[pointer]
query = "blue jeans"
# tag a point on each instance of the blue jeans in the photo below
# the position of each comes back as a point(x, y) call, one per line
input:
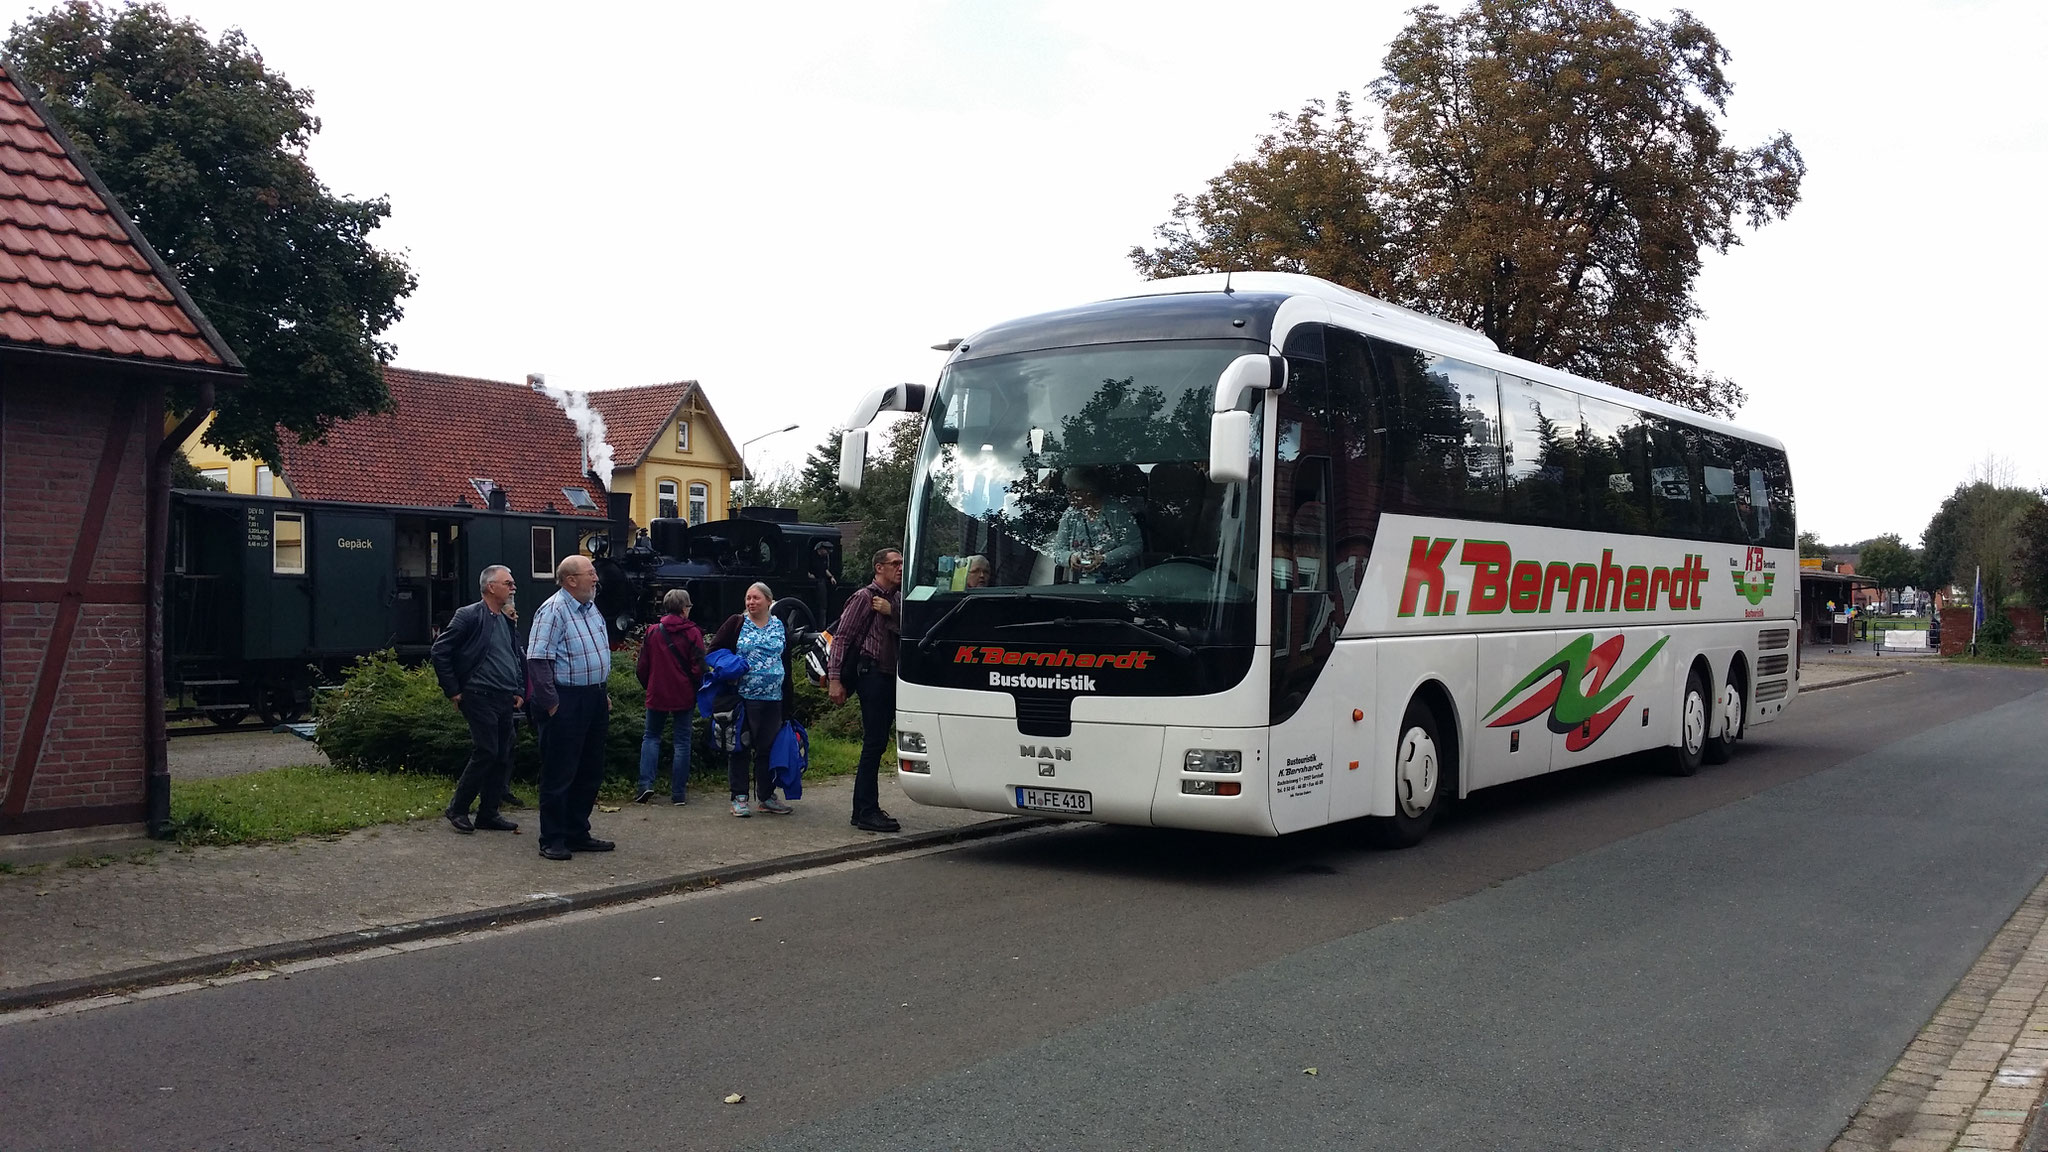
point(650, 752)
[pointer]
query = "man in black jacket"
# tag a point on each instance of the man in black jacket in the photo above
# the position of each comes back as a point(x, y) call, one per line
point(478, 661)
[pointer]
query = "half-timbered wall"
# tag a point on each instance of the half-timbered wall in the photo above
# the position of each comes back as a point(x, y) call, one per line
point(73, 460)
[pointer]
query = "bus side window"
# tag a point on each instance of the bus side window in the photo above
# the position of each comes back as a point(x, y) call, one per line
point(1358, 465)
point(1304, 621)
point(1724, 485)
point(1540, 454)
point(1779, 532)
point(1673, 494)
point(1614, 454)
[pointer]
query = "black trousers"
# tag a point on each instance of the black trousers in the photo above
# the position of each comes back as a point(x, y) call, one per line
point(572, 762)
point(877, 688)
point(764, 721)
point(489, 771)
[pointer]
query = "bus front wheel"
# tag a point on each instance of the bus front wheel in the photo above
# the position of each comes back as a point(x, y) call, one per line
point(1420, 783)
point(1692, 728)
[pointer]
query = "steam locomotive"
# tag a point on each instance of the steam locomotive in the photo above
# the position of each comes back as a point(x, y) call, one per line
point(265, 597)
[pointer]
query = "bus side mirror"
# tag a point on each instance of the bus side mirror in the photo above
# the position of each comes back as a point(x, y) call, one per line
point(1230, 428)
point(1230, 447)
point(853, 458)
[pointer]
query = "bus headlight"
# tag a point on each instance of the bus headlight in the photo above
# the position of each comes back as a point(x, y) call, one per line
point(910, 742)
point(1212, 760)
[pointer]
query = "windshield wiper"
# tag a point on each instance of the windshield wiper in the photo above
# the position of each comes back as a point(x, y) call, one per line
point(1171, 645)
point(931, 635)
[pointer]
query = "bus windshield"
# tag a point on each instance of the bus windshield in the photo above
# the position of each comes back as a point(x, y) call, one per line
point(1071, 485)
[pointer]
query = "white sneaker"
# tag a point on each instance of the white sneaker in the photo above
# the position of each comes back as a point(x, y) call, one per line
point(739, 806)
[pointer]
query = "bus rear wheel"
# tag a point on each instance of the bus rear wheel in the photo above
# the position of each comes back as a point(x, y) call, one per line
point(1734, 706)
point(1692, 728)
point(1420, 783)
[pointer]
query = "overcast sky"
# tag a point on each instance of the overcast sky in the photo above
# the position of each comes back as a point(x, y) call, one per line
point(790, 203)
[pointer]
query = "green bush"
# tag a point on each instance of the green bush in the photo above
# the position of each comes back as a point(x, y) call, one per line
point(386, 717)
point(1997, 630)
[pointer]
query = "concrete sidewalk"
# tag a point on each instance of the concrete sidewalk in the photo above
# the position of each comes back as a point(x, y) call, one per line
point(145, 913)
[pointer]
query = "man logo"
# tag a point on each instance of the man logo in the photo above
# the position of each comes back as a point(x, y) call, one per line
point(1044, 752)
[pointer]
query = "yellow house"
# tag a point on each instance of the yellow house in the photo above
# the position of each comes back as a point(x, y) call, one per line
point(247, 477)
point(669, 451)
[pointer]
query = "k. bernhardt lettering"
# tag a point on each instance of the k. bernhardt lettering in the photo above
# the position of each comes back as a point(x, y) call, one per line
point(1064, 658)
point(1501, 583)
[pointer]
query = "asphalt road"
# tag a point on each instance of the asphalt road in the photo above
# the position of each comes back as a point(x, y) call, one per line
point(1605, 960)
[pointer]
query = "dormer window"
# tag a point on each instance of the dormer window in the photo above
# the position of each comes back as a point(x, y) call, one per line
point(484, 488)
point(682, 435)
point(579, 498)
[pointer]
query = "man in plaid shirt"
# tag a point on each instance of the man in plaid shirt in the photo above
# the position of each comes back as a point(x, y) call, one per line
point(568, 660)
point(864, 657)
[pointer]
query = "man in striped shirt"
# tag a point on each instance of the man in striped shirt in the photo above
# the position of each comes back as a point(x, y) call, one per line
point(568, 660)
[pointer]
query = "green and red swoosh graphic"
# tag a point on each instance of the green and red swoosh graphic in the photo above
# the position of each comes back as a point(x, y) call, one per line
point(1581, 718)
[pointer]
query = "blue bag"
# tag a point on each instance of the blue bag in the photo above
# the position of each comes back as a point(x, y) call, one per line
point(789, 756)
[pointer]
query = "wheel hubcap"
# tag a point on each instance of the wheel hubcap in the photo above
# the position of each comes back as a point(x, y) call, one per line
point(1695, 722)
point(1731, 714)
point(1415, 772)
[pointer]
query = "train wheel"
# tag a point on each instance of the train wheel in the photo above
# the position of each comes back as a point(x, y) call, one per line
point(278, 703)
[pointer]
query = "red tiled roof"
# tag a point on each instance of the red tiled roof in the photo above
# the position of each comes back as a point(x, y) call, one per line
point(634, 416)
point(73, 273)
point(444, 431)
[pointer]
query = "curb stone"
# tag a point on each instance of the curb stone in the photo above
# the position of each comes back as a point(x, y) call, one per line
point(1973, 1078)
point(200, 968)
point(1858, 679)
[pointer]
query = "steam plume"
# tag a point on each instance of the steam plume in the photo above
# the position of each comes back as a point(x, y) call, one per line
point(597, 453)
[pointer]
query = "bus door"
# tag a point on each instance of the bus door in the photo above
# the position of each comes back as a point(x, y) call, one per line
point(1521, 677)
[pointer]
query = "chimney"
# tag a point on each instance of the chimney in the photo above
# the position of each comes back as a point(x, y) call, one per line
point(537, 381)
point(619, 509)
point(501, 500)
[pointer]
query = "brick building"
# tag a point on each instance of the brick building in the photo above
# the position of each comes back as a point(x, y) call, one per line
point(93, 329)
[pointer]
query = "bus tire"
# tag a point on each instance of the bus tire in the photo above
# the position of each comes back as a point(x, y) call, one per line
point(1734, 707)
point(1693, 716)
point(1420, 782)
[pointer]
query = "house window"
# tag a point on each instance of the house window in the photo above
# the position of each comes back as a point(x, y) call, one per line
point(665, 500)
point(217, 475)
point(682, 435)
point(543, 553)
point(288, 543)
point(266, 484)
point(700, 503)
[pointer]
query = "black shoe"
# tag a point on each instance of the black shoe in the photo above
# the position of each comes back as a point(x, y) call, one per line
point(645, 795)
point(592, 844)
point(460, 822)
point(553, 852)
point(496, 824)
point(876, 821)
point(510, 800)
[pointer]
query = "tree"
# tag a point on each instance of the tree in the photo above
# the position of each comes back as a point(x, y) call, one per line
point(818, 490)
point(1810, 546)
point(1553, 171)
point(2030, 556)
point(1888, 561)
point(185, 474)
point(205, 148)
point(1976, 529)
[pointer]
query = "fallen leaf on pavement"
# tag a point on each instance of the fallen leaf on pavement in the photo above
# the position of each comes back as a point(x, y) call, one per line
point(1308, 1071)
point(735, 1098)
point(607, 807)
point(753, 919)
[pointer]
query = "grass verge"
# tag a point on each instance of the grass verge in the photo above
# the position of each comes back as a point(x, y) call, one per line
point(305, 800)
point(313, 800)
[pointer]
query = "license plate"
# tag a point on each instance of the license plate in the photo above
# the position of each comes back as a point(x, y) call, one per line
point(1055, 800)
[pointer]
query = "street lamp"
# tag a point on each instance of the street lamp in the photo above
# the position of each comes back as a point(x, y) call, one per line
point(745, 474)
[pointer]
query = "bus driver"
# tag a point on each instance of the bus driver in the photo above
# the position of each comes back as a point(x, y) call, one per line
point(1098, 542)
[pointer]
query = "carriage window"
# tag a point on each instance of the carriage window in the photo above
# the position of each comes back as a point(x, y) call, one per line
point(288, 543)
point(543, 553)
point(700, 503)
point(665, 500)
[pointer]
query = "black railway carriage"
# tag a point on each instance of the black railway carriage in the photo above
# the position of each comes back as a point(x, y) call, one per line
point(266, 596)
point(263, 594)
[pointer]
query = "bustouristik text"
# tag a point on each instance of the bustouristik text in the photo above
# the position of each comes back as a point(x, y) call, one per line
point(1501, 583)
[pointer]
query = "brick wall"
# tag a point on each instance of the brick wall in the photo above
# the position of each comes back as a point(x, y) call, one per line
point(90, 768)
point(1958, 625)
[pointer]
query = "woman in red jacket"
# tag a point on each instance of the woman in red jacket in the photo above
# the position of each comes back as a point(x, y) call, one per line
point(671, 662)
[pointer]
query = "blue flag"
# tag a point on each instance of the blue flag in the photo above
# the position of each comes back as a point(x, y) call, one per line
point(1977, 600)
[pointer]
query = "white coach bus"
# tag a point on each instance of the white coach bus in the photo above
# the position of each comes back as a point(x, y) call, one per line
point(1256, 553)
